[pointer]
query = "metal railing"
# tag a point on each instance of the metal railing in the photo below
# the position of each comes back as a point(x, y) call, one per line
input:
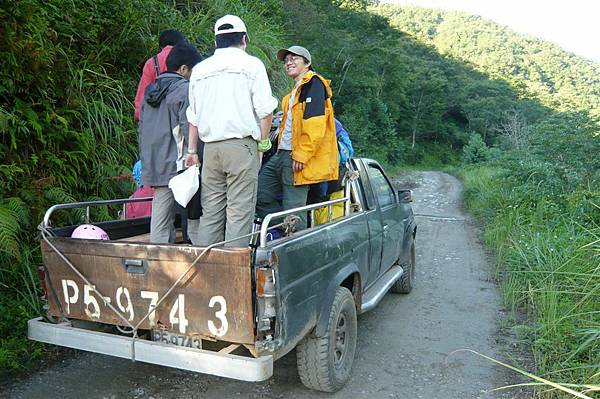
point(349, 190)
point(87, 205)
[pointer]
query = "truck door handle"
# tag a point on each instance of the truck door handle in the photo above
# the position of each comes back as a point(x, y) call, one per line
point(137, 266)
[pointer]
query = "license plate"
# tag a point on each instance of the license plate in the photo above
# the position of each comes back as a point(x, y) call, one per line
point(171, 338)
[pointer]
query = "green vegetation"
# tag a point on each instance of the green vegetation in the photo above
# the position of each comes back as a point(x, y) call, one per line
point(536, 70)
point(542, 215)
point(412, 86)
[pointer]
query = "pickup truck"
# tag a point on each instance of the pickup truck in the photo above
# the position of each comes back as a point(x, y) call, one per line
point(233, 311)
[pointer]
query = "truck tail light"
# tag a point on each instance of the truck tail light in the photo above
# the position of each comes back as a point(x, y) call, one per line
point(266, 301)
point(265, 282)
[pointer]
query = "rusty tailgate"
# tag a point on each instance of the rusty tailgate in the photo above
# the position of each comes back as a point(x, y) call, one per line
point(213, 301)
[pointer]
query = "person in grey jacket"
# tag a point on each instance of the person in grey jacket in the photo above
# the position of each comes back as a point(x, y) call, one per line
point(163, 135)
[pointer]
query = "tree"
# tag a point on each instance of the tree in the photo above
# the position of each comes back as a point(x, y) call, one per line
point(476, 151)
point(513, 128)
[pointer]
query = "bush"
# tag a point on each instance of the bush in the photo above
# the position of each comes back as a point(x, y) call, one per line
point(476, 151)
point(542, 219)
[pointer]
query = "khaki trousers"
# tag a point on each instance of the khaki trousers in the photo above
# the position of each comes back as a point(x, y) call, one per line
point(229, 184)
point(162, 227)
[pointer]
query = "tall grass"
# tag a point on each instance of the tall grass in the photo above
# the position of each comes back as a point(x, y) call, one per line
point(549, 265)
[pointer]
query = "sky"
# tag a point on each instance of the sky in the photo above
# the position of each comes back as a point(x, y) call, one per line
point(574, 25)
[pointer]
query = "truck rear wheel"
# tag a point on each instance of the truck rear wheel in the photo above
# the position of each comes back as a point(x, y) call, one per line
point(404, 285)
point(324, 363)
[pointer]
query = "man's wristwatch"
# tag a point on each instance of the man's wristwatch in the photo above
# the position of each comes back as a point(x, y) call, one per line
point(192, 152)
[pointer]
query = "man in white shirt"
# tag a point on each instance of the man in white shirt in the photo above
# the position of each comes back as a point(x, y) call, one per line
point(231, 109)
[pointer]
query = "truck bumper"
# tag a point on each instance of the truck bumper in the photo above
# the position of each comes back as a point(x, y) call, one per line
point(198, 360)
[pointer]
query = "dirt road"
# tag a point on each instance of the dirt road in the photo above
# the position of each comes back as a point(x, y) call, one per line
point(403, 344)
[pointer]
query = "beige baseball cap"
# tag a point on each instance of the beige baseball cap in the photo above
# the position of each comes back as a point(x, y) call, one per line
point(298, 50)
point(237, 25)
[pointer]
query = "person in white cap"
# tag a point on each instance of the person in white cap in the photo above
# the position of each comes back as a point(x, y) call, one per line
point(231, 109)
point(307, 152)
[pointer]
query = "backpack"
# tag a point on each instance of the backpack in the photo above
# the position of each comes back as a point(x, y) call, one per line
point(345, 150)
point(322, 190)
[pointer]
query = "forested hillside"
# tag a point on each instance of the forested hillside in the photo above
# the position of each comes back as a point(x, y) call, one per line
point(518, 118)
point(422, 88)
point(538, 70)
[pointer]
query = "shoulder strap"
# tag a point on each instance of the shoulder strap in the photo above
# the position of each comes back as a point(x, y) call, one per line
point(156, 66)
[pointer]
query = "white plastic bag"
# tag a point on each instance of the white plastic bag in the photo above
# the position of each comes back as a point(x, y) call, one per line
point(185, 185)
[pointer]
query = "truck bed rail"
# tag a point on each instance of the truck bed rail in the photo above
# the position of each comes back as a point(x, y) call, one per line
point(349, 189)
point(87, 205)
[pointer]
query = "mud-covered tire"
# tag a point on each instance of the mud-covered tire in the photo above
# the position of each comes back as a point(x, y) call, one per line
point(325, 363)
point(404, 284)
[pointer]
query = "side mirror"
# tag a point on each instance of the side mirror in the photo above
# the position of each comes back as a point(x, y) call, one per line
point(405, 196)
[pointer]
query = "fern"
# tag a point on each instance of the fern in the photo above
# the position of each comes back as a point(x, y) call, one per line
point(13, 221)
point(57, 195)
